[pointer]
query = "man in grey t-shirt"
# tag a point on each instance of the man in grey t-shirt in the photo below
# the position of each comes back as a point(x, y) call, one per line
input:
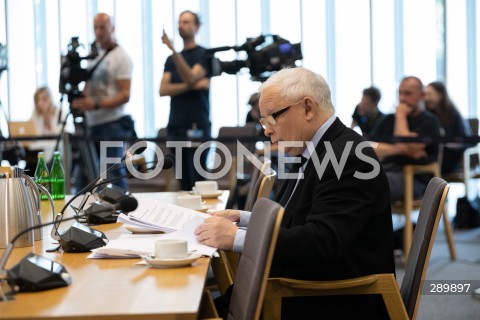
point(107, 92)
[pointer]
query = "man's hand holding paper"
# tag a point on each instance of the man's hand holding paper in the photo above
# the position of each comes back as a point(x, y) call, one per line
point(218, 231)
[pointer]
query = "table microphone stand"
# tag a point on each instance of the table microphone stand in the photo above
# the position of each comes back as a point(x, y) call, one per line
point(37, 273)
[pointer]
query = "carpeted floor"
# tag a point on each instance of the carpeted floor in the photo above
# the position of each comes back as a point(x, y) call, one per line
point(466, 267)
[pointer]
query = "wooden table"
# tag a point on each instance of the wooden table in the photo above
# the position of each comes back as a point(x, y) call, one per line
point(112, 288)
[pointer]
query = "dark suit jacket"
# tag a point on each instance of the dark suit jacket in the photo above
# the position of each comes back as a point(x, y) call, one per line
point(336, 228)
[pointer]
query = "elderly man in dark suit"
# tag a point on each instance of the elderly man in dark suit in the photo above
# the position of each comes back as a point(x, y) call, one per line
point(337, 223)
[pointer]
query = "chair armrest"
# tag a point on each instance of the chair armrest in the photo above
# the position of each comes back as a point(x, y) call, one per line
point(432, 168)
point(324, 285)
point(222, 271)
point(384, 284)
point(467, 157)
point(372, 284)
point(207, 309)
point(471, 150)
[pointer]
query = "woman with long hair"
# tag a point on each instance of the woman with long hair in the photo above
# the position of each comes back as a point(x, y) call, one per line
point(437, 100)
point(45, 114)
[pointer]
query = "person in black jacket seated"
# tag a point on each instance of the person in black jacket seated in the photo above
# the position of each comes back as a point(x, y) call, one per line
point(410, 120)
point(437, 100)
point(366, 114)
point(337, 223)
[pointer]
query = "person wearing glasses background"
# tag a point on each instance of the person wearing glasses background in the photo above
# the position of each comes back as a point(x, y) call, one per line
point(334, 227)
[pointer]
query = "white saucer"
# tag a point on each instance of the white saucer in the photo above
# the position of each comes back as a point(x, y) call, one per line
point(158, 263)
point(208, 195)
point(135, 229)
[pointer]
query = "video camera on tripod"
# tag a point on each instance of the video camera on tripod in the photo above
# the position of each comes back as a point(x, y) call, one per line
point(265, 55)
point(71, 71)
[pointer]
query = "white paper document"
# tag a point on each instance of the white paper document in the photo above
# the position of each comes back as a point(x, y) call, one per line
point(133, 246)
point(157, 215)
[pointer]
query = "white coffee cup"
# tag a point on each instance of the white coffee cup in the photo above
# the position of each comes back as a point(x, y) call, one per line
point(206, 187)
point(171, 249)
point(190, 201)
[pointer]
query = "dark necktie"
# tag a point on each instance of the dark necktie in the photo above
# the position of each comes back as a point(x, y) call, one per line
point(291, 182)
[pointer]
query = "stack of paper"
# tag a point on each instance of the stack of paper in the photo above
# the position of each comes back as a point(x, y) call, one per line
point(179, 222)
point(159, 215)
point(133, 245)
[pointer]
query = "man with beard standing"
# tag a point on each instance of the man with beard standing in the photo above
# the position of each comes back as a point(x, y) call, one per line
point(186, 81)
point(105, 97)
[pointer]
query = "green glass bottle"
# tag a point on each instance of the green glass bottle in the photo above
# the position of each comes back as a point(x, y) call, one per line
point(41, 174)
point(57, 177)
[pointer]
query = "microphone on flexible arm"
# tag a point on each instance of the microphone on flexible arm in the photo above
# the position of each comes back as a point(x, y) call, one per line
point(37, 273)
point(112, 194)
point(93, 183)
point(79, 237)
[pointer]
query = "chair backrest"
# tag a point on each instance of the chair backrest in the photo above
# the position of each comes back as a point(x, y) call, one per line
point(254, 267)
point(474, 156)
point(423, 238)
point(473, 122)
point(163, 134)
point(258, 186)
point(233, 133)
point(170, 183)
point(230, 136)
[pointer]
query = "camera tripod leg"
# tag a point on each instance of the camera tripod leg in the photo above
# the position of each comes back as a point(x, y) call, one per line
point(88, 159)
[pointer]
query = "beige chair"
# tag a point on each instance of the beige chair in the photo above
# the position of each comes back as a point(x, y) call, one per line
point(167, 176)
point(409, 204)
point(254, 267)
point(261, 183)
point(164, 181)
point(226, 265)
point(229, 136)
point(247, 190)
point(401, 303)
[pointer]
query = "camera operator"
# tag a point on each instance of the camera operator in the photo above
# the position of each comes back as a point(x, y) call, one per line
point(186, 81)
point(107, 92)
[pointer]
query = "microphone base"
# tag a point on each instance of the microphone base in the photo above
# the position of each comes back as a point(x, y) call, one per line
point(112, 193)
point(37, 273)
point(100, 217)
point(80, 238)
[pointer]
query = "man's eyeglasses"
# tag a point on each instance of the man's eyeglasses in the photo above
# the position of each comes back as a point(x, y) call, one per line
point(271, 119)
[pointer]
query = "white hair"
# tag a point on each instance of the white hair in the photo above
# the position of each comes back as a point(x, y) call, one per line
point(297, 83)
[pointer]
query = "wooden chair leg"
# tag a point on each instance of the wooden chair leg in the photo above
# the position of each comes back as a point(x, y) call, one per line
point(449, 234)
point(407, 235)
point(408, 207)
point(207, 307)
point(272, 308)
point(222, 272)
point(233, 259)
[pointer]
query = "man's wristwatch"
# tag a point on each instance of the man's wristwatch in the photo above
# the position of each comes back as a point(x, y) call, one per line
point(97, 105)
